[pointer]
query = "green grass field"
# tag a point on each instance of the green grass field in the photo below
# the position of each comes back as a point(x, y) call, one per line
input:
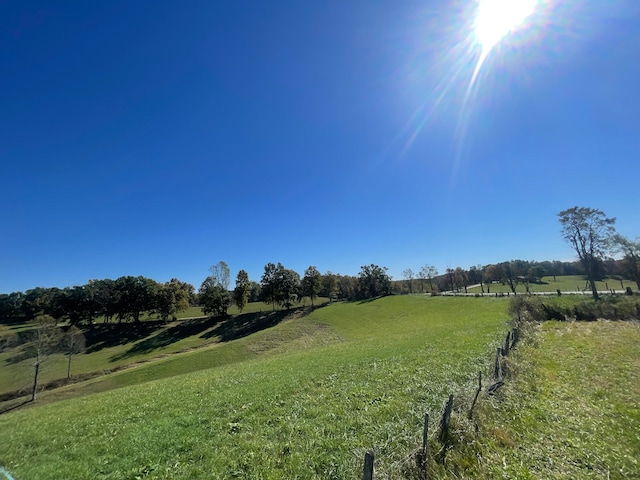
point(567, 283)
point(303, 399)
point(573, 411)
point(116, 346)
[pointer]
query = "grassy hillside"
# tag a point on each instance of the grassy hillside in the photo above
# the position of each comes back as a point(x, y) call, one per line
point(573, 410)
point(304, 399)
point(112, 346)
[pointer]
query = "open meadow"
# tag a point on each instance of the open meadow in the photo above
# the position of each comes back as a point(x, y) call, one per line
point(303, 399)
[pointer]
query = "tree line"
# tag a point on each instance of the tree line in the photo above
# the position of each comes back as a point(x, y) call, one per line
point(511, 272)
point(128, 298)
point(123, 299)
point(283, 287)
point(588, 231)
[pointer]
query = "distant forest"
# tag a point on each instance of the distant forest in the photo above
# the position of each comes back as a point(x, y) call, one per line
point(127, 298)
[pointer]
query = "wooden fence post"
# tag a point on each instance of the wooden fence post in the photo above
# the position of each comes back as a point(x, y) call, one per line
point(446, 419)
point(475, 399)
point(367, 473)
point(444, 428)
point(422, 459)
point(514, 337)
point(497, 369)
point(507, 344)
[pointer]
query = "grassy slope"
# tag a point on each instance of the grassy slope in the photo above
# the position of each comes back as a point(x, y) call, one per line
point(574, 411)
point(307, 412)
point(130, 345)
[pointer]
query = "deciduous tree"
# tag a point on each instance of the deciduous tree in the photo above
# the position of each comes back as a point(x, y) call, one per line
point(311, 283)
point(74, 343)
point(243, 290)
point(10, 305)
point(408, 276)
point(268, 284)
point(348, 287)
point(329, 286)
point(429, 272)
point(287, 286)
point(589, 232)
point(221, 274)
point(46, 337)
point(631, 260)
point(461, 278)
point(373, 281)
point(135, 295)
point(214, 297)
point(172, 297)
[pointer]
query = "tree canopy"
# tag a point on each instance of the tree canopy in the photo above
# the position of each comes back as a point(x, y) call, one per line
point(373, 281)
point(311, 283)
point(590, 233)
point(243, 290)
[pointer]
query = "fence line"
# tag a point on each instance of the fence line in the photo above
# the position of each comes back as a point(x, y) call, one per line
point(421, 455)
point(581, 293)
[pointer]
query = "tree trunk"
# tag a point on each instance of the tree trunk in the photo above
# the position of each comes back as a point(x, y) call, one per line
point(69, 367)
point(35, 380)
point(594, 290)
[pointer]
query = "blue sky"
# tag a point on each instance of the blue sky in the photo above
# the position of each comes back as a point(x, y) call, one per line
point(157, 138)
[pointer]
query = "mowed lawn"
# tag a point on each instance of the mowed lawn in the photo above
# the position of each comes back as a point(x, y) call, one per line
point(304, 399)
point(574, 411)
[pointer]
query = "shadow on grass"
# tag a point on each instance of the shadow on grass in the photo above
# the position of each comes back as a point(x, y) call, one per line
point(15, 406)
point(248, 323)
point(372, 299)
point(108, 335)
point(178, 332)
point(14, 323)
point(224, 328)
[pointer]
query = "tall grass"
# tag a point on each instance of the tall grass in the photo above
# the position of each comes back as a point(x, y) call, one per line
point(572, 411)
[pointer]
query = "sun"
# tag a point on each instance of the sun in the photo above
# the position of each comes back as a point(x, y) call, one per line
point(496, 18)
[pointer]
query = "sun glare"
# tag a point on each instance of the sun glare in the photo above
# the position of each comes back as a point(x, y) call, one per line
point(496, 18)
point(485, 25)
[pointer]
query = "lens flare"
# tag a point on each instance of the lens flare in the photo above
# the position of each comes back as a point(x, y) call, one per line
point(465, 43)
point(496, 18)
